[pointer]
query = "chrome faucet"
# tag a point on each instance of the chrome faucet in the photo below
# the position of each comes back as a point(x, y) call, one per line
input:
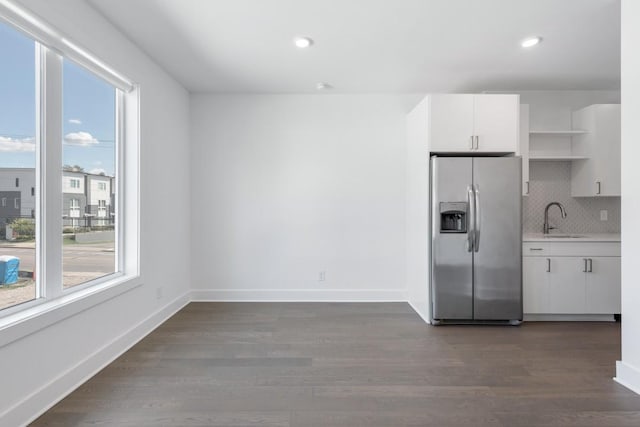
point(546, 215)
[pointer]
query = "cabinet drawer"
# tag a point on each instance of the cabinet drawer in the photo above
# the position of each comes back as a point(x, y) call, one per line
point(585, 249)
point(535, 248)
point(589, 249)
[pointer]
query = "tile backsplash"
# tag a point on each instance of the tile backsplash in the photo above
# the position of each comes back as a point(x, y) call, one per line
point(551, 182)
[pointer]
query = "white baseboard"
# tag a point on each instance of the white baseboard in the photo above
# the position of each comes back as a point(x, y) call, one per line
point(38, 402)
point(424, 316)
point(296, 295)
point(569, 318)
point(628, 376)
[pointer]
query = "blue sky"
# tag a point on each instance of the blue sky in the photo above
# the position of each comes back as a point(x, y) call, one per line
point(88, 110)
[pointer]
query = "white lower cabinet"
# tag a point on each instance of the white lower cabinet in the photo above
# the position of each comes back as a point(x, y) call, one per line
point(566, 286)
point(603, 286)
point(562, 284)
point(535, 284)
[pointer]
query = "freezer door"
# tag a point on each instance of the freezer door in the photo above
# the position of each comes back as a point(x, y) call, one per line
point(451, 256)
point(498, 251)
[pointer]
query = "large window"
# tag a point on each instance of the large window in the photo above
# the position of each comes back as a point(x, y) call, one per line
point(62, 128)
point(89, 127)
point(18, 123)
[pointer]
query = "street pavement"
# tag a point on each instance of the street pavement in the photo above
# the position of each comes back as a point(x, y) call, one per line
point(81, 263)
point(76, 258)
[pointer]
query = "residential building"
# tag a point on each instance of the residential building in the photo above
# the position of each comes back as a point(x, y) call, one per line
point(87, 199)
point(22, 182)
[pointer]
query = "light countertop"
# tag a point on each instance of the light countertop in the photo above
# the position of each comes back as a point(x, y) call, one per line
point(587, 237)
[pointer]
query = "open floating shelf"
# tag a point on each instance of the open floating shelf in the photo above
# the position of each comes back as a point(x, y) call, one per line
point(558, 132)
point(555, 158)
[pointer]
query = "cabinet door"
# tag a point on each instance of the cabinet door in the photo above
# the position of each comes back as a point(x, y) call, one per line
point(567, 286)
point(496, 119)
point(599, 174)
point(535, 285)
point(524, 147)
point(603, 286)
point(607, 149)
point(450, 123)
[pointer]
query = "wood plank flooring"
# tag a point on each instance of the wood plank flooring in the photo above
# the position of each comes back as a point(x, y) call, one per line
point(350, 365)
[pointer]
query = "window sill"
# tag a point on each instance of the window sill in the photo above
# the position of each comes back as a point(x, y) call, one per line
point(30, 320)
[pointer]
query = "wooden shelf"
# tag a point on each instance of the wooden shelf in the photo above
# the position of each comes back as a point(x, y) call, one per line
point(558, 132)
point(555, 158)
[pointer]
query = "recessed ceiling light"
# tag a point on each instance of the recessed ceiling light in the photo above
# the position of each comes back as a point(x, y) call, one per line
point(302, 42)
point(531, 41)
point(323, 86)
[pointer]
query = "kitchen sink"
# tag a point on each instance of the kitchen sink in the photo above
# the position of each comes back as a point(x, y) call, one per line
point(564, 236)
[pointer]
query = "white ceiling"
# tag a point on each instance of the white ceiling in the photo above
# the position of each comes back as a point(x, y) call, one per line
point(376, 45)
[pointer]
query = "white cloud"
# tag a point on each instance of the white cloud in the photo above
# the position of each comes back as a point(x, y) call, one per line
point(75, 121)
point(83, 139)
point(98, 171)
point(17, 145)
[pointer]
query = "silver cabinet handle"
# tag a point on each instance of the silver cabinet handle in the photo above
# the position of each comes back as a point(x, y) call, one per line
point(590, 265)
point(527, 188)
point(535, 249)
point(476, 242)
point(598, 187)
point(584, 269)
point(471, 142)
point(477, 142)
point(471, 221)
point(548, 265)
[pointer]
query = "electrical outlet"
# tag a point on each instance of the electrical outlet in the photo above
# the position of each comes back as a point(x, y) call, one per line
point(159, 293)
point(604, 215)
point(322, 276)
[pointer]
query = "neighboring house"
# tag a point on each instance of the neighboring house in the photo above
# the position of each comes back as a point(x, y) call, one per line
point(22, 181)
point(74, 198)
point(9, 206)
point(99, 200)
point(87, 199)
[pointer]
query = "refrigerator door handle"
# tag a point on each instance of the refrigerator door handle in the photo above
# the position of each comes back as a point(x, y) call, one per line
point(472, 220)
point(476, 218)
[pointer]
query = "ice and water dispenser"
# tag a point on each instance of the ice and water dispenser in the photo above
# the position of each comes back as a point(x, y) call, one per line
point(453, 217)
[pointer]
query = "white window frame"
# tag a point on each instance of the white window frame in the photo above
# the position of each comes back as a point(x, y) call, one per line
point(16, 204)
point(53, 302)
point(4, 202)
point(102, 186)
point(74, 183)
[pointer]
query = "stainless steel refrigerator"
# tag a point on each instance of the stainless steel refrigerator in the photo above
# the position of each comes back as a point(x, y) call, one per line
point(476, 239)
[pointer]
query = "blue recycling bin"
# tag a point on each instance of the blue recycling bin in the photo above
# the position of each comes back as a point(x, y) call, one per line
point(9, 266)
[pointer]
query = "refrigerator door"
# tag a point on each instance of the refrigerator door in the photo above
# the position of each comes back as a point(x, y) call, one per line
point(498, 237)
point(451, 248)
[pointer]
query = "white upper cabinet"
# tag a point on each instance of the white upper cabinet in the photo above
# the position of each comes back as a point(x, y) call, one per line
point(451, 123)
point(496, 122)
point(599, 174)
point(474, 123)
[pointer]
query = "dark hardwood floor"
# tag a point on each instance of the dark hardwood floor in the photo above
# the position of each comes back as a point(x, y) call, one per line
point(362, 364)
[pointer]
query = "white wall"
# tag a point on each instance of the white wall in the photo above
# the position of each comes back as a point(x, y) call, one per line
point(288, 186)
point(628, 369)
point(38, 368)
point(417, 211)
